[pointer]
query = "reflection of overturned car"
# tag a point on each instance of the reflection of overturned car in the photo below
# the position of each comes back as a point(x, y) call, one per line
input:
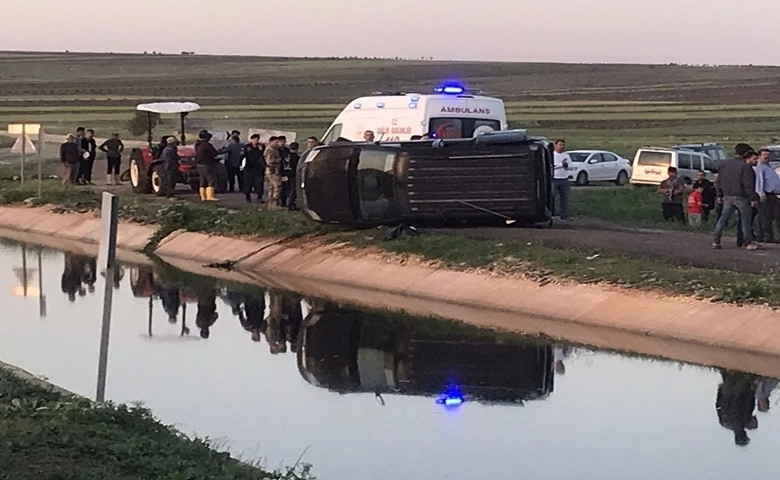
point(496, 176)
point(352, 351)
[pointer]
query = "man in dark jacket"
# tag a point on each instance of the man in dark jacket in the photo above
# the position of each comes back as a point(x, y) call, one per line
point(206, 159)
point(736, 189)
point(113, 148)
point(89, 149)
point(253, 169)
point(69, 157)
point(289, 167)
point(233, 162)
point(170, 158)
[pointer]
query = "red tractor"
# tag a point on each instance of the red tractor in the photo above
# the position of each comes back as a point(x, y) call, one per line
point(146, 166)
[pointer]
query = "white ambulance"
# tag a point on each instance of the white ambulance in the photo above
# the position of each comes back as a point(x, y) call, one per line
point(451, 111)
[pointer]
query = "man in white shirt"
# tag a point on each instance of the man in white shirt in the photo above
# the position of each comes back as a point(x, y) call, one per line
point(561, 185)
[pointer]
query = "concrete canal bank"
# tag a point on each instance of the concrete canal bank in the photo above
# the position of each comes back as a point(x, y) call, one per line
point(679, 328)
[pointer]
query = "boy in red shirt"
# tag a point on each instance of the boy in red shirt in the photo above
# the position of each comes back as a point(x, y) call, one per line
point(695, 205)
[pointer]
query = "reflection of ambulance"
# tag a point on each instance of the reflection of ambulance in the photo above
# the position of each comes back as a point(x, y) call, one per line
point(451, 112)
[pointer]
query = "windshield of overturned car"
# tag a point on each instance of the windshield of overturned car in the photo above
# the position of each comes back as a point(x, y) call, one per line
point(375, 183)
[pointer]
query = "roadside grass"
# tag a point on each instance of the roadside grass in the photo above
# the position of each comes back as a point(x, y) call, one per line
point(48, 435)
point(544, 263)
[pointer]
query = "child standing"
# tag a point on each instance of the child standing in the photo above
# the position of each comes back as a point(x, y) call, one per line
point(696, 204)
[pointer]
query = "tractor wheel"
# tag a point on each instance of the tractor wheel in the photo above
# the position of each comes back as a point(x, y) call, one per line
point(139, 177)
point(157, 181)
point(222, 179)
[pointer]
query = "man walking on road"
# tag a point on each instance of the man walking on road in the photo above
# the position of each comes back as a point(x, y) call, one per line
point(736, 187)
point(69, 157)
point(768, 190)
point(561, 185)
point(113, 148)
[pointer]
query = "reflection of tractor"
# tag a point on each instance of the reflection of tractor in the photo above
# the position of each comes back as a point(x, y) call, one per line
point(146, 166)
point(351, 351)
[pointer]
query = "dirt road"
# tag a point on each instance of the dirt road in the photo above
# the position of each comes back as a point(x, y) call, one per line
point(683, 248)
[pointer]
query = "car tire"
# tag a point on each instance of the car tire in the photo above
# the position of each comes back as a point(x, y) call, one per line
point(582, 179)
point(139, 177)
point(157, 181)
point(622, 178)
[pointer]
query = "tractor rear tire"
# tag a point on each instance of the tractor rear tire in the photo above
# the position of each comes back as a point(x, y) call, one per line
point(139, 177)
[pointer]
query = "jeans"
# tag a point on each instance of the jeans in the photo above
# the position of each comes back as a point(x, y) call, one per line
point(745, 212)
point(562, 187)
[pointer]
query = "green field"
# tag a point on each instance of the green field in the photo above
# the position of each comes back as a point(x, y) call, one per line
point(617, 107)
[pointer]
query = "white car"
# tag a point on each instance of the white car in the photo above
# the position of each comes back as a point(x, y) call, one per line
point(598, 166)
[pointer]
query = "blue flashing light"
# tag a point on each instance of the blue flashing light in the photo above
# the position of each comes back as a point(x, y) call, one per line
point(450, 89)
point(452, 397)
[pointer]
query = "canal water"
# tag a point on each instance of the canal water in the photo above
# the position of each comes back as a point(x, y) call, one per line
point(369, 394)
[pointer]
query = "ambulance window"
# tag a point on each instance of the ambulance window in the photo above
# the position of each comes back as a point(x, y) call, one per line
point(446, 128)
point(333, 134)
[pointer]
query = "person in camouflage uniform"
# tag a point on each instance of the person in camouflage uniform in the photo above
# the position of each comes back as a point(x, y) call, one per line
point(273, 173)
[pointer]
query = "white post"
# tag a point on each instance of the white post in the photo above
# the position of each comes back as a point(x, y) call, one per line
point(107, 262)
point(24, 151)
point(41, 296)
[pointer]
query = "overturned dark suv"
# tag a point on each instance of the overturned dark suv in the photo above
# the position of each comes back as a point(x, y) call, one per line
point(497, 176)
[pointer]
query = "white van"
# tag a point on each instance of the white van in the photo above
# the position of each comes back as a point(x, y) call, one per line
point(651, 164)
point(450, 112)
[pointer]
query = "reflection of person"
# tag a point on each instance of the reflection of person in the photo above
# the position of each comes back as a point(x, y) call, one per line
point(254, 315)
point(89, 274)
point(560, 354)
point(273, 329)
point(171, 301)
point(73, 276)
point(207, 312)
point(734, 404)
point(292, 315)
point(764, 388)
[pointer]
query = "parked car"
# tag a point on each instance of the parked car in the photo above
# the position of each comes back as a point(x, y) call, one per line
point(716, 152)
point(598, 166)
point(651, 164)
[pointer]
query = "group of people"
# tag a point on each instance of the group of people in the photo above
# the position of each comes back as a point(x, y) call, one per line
point(250, 166)
point(746, 185)
point(78, 153)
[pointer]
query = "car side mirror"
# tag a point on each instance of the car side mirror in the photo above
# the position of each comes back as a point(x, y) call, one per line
point(593, 160)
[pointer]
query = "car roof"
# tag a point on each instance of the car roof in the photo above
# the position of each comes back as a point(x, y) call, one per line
point(592, 151)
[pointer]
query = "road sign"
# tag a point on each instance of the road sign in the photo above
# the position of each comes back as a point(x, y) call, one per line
point(28, 146)
point(20, 128)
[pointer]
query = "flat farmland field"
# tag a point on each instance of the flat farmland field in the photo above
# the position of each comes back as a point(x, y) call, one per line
point(618, 107)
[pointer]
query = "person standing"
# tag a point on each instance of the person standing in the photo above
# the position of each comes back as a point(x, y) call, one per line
point(253, 169)
point(113, 148)
point(69, 157)
point(233, 162)
point(695, 205)
point(273, 172)
point(170, 158)
point(289, 167)
point(708, 195)
point(561, 185)
point(672, 190)
point(206, 160)
point(768, 190)
point(89, 153)
point(736, 189)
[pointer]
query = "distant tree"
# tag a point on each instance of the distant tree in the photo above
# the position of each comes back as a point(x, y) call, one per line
point(139, 124)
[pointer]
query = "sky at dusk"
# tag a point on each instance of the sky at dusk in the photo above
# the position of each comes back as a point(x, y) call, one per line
point(630, 31)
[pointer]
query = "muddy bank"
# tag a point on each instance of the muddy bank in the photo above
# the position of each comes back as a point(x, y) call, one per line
point(680, 328)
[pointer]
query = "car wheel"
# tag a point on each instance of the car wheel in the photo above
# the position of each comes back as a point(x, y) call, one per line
point(139, 177)
point(622, 178)
point(157, 181)
point(582, 179)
